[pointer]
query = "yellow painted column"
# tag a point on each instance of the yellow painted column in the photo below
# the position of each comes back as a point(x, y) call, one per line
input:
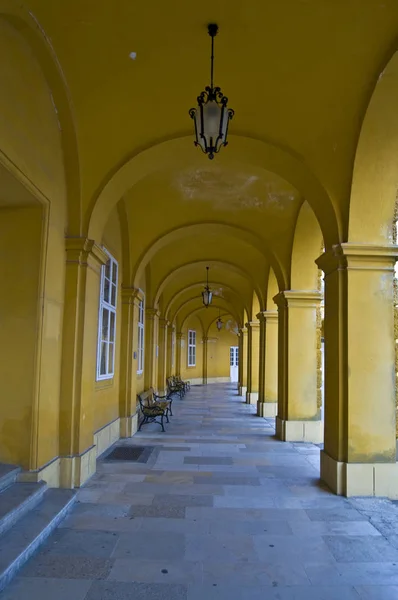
point(268, 371)
point(84, 260)
point(204, 361)
point(180, 345)
point(151, 347)
point(253, 359)
point(298, 417)
point(270, 406)
point(243, 361)
point(240, 364)
point(359, 456)
point(170, 351)
point(131, 298)
point(162, 360)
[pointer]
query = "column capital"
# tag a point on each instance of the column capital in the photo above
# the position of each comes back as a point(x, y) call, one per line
point(163, 323)
point(252, 324)
point(81, 250)
point(152, 313)
point(242, 330)
point(358, 257)
point(267, 316)
point(180, 335)
point(131, 295)
point(298, 298)
point(205, 339)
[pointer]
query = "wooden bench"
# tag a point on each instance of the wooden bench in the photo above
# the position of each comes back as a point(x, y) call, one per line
point(154, 407)
point(175, 387)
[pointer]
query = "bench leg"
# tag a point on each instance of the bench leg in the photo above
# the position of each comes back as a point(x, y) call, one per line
point(161, 422)
point(144, 420)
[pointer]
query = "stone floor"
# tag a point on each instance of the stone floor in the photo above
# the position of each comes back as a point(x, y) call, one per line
point(220, 510)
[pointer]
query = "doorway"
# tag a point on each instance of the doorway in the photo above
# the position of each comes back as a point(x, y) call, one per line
point(234, 363)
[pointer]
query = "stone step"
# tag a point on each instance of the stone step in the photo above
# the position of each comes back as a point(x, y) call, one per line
point(20, 542)
point(17, 500)
point(8, 475)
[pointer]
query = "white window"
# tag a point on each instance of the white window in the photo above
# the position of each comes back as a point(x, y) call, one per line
point(107, 320)
point(141, 334)
point(191, 348)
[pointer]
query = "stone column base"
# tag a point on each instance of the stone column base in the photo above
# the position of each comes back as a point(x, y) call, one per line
point(242, 390)
point(360, 479)
point(267, 409)
point(299, 431)
point(251, 397)
point(128, 426)
point(76, 470)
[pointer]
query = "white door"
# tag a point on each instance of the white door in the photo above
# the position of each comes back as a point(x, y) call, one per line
point(234, 363)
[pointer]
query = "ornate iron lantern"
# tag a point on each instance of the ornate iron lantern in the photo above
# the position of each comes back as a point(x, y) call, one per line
point(219, 322)
point(207, 294)
point(212, 115)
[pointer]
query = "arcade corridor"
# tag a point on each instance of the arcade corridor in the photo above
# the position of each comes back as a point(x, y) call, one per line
point(220, 509)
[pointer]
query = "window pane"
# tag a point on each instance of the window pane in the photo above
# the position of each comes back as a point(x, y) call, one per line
point(113, 299)
point(114, 273)
point(106, 289)
point(108, 269)
point(112, 327)
point(110, 358)
point(103, 359)
point(105, 324)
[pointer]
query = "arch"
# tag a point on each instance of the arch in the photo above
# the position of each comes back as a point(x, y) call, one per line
point(307, 243)
point(199, 284)
point(375, 175)
point(243, 150)
point(209, 310)
point(185, 267)
point(31, 30)
point(206, 228)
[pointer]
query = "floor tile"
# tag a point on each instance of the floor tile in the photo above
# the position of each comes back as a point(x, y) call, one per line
point(112, 590)
point(222, 509)
point(28, 588)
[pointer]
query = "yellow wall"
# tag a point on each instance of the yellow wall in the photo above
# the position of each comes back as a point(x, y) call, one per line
point(19, 318)
point(197, 371)
point(218, 357)
point(29, 129)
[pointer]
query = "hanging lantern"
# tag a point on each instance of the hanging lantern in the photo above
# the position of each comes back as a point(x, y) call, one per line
point(212, 115)
point(207, 294)
point(219, 324)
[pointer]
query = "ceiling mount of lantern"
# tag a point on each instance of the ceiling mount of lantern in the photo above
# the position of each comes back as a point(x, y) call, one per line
point(207, 294)
point(212, 115)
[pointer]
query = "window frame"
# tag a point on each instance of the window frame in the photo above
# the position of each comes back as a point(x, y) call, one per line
point(191, 358)
point(111, 307)
point(141, 338)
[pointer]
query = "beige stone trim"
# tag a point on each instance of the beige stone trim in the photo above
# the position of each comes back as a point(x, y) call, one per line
point(360, 479)
point(267, 409)
point(299, 431)
point(50, 473)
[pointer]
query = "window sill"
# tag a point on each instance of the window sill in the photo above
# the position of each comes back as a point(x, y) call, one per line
point(104, 383)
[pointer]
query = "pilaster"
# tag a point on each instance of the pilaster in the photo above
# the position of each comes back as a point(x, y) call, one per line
point(162, 360)
point(242, 361)
point(253, 359)
point(179, 347)
point(267, 404)
point(204, 361)
point(298, 417)
point(151, 347)
point(84, 260)
point(131, 298)
point(359, 456)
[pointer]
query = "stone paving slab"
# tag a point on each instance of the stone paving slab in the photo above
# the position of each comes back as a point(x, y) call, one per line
point(221, 510)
